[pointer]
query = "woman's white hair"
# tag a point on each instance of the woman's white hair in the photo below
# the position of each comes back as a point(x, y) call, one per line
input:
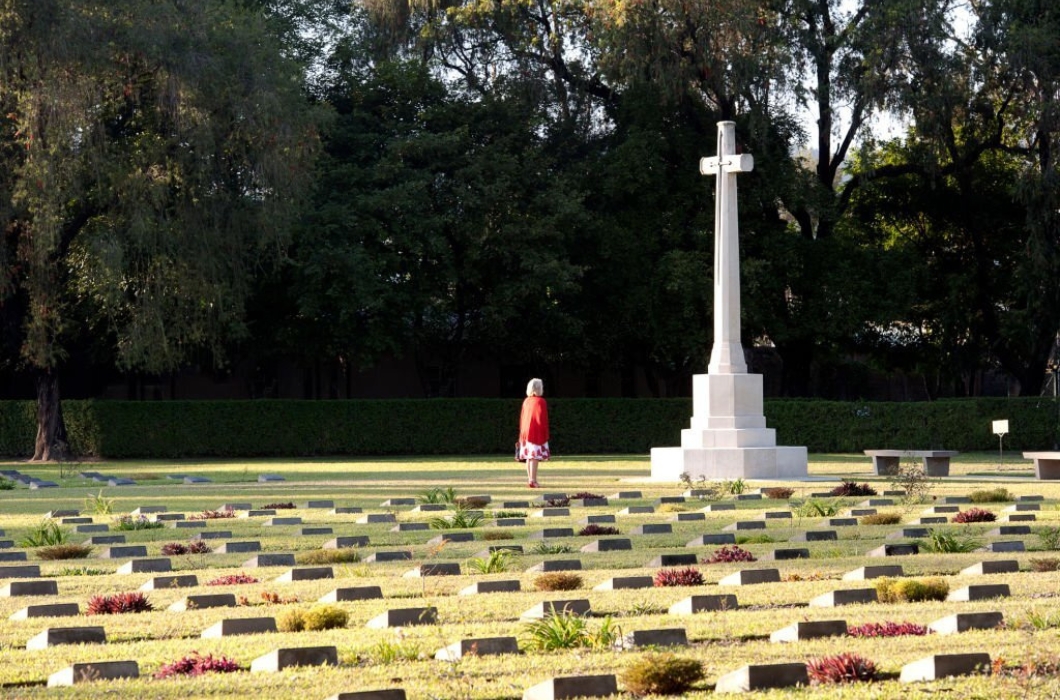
point(535, 387)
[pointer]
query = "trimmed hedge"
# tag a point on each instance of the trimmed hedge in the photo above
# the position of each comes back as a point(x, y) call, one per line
point(177, 429)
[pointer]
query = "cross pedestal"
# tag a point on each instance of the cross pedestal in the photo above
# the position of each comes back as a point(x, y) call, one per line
point(728, 437)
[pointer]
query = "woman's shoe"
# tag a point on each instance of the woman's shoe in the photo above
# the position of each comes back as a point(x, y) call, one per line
point(533, 484)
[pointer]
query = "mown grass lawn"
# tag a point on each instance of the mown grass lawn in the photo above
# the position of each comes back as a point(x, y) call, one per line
point(723, 641)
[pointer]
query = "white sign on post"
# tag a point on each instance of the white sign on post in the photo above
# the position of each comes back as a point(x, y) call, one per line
point(1000, 427)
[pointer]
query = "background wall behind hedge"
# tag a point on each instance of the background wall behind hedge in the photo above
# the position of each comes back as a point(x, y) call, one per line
point(173, 429)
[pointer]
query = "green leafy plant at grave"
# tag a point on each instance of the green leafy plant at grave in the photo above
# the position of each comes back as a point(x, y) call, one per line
point(998, 495)
point(813, 508)
point(566, 630)
point(907, 590)
point(671, 508)
point(345, 555)
point(81, 571)
point(462, 519)
point(943, 542)
point(64, 551)
point(136, 522)
point(1045, 565)
point(755, 539)
point(431, 495)
point(325, 617)
point(495, 563)
point(881, 519)
point(841, 668)
point(646, 607)
point(734, 487)
point(551, 548)
point(6, 484)
point(46, 533)
point(291, 621)
point(1049, 538)
point(509, 514)
point(661, 674)
point(1035, 619)
point(494, 535)
point(558, 581)
point(911, 480)
point(99, 504)
point(387, 652)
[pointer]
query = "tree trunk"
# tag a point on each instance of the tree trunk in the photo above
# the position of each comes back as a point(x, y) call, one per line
point(51, 428)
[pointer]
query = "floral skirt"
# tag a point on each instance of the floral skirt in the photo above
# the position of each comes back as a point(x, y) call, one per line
point(529, 450)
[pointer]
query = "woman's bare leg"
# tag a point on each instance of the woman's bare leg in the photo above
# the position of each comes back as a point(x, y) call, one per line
point(531, 471)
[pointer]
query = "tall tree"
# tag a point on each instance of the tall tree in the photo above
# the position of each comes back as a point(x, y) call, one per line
point(151, 154)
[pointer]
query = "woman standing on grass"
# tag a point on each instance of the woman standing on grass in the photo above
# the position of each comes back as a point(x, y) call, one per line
point(533, 430)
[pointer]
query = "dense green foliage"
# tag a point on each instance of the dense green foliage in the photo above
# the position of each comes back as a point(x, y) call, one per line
point(171, 429)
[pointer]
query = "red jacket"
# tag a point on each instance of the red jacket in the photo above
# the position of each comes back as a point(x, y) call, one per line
point(533, 421)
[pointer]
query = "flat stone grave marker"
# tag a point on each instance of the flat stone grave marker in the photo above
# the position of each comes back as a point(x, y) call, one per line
point(146, 566)
point(7, 544)
point(340, 595)
point(27, 571)
point(551, 532)
point(545, 497)
point(483, 646)
point(959, 500)
point(346, 542)
point(273, 522)
point(749, 577)
point(212, 535)
point(371, 518)
point(873, 502)
point(1021, 508)
point(121, 482)
point(404, 617)
point(815, 536)
point(1021, 518)
point(677, 559)
point(935, 510)
point(279, 659)
point(240, 625)
point(48, 610)
point(688, 517)
point(75, 521)
point(637, 510)
point(931, 520)
point(309, 531)
point(842, 522)
point(590, 502)
point(984, 591)
point(564, 687)
point(388, 694)
point(748, 497)
point(551, 513)
point(378, 557)
point(95, 527)
point(653, 529)
point(324, 504)
point(761, 676)
point(625, 582)
point(907, 532)
point(1000, 566)
point(263, 560)
point(849, 596)
point(509, 522)
point(188, 524)
point(13, 556)
point(547, 608)
point(238, 547)
point(54, 636)
point(894, 550)
point(258, 513)
point(168, 517)
point(718, 507)
point(148, 510)
point(800, 631)
point(106, 539)
point(1004, 546)
point(163, 582)
point(269, 478)
point(866, 573)
point(459, 537)
point(745, 525)
point(787, 554)
point(556, 565)
point(41, 484)
point(1009, 530)
point(346, 510)
point(94, 671)
point(123, 551)
point(235, 506)
point(668, 637)
point(306, 573)
point(514, 504)
point(613, 544)
point(943, 666)
point(434, 569)
point(410, 527)
point(862, 512)
point(626, 495)
point(712, 539)
point(602, 519)
point(511, 548)
point(196, 480)
point(505, 586)
point(203, 601)
point(429, 508)
point(669, 499)
point(776, 515)
point(962, 622)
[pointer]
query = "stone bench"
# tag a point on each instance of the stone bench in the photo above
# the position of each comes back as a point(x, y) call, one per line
point(936, 462)
point(1046, 464)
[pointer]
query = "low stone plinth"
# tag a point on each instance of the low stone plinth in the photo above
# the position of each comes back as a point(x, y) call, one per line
point(398, 502)
point(800, 631)
point(931, 520)
point(745, 525)
point(625, 496)
point(894, 550)
point(776, 515)
point(235, 506)
point(149, 510)
point(842, 522)
point(551, 532)
point(507, 505)
point(556, 565)
point(761, 676)
point(240, 625)
point(269, 478)
point(434, 569)
point(280, 659)
point(13, 556)
point(306, 573)
point(105, 539)
point(505, 586)
point(546, 608)
point(483, 646)
point(862, 512)
point(718, 507)
point(960, 500)
point(1021, 518)
point(404, 617)
point(909, 532)
point(815, 536)
point(167, 517)
point(704, 603)
point(748, 497)
point(461, 537)
point(123, 552)
point(510, 522)
point(874, 502)
point(213, 535)
point(200, 602)
point(373, 518)
point(346, 542)
point(379, 557)
point(551, 513)
point(637, 510)
point(27, 571)
point(263, 560)
point(614, 544)
point(669, 499)
point(625, 582)
point(26, 588)
point(602, 519)
point(159, 583)
point(1009, 531)
point(749, 577)
point(346, 510)
point(714, 539)
point(677, 559)
point(146, 566)
point(62, 513)
point(962, 622)
point(388, 694)
point(49, 610)
point(274, 522)
point(188, 524)
point(324, 504)
point(590, 502)
point(787, 554)
point(410, 527)
point(688, 517)
point(943, 666)
point(849, 596)
point(95, 527)
point(653, 529)
point(668, 637)
point(984, 591)
point(1001, 566)
point(308, 531)
point(55, 636)
point(94, 671)
point(935, 510)
point(866, 573)
point(340, 595)
point(429, 508)
point(563, 687)
point(1004, 546)
point(1022, 508)
point(75, 521)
